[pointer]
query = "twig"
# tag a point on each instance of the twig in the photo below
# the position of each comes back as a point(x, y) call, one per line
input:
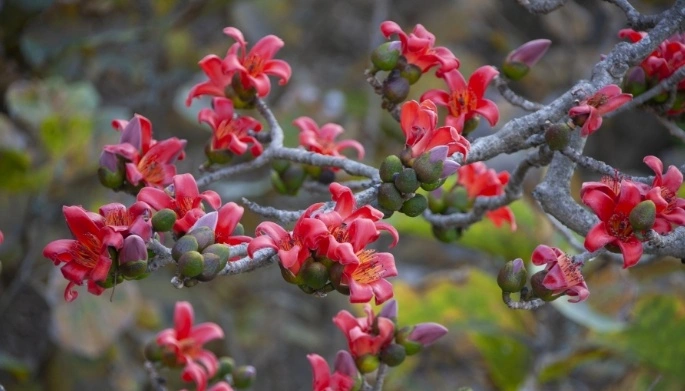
point(667, 84)
point(635, 19)
point(599, 166)
point(675, 130)
point(502, 85)
point(156, 380)
point(566, 233)
point(541, 6)
point(262, 258)
point(284, 216)
point(380, 377)
point(521, 305)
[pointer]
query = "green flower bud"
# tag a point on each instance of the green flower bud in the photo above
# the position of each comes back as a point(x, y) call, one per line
point(226, 366)
point(183, 245)
point(389, 197)
point(306, 289)
point(402, 338)
point(411, 73)
point(191, 264)
point(393, 355)
point(427, 171)
point(385, 56)
point(512, 276)
point(277, 183)
point(164, 220)
point(204, 236)
point(458, 199)
point(643, 215)
point(470, 125)
point(406, 157)
point(515, 70)
point(289, 277)
point(111, 179)
point(152, 351)
point(446, 235)
point(391, 166)
point(367, 363)
point(218, 156)
point(314, 274)
point(244, 376)
point(414, 206)
point(557, 136)
point(406, 181)
point(432, 186)
point(221, 250)
point(190, 282)
point(293, 178)
point(210, 267)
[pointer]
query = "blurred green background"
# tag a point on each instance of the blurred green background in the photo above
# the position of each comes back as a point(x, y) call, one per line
point(68, 67)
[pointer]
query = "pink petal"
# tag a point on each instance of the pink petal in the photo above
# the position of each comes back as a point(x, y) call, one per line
point(600, 203)
point(598, 237)
point(321, 372)
point(280, 69)
point(480, 79)
point(488, 110)
point(183, 319)
point(439, 97)
point(632, 251)
point(156, 198)
point(382, 290)
point(360, 293)
point(267, 47)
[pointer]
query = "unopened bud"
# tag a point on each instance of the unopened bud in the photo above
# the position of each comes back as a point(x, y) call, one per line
point(293, 178)
point(393, 355)
point(335, 273)
point(280, 165)
point(395, 88)
point(183, 245)
point(220, 250)
point(191, 264)
point(643, 216)
point(133, 257)
point(344, 363)
point(204, 236)
point(411, 73)
point(429, 165)
point(217, 156)
point(385, 56)
point(152, 351)
point(557, 136)
point(391, 166)
point(519, 61)
point(389, 197)
point(402, 338)
point(226, 366)
point(432, 186)
point(210, 267)
point(414, 206)
point(446, 234)
point(164, 220)
point(244, 376)
point(406, 181)
point(427, 333)
point(314, 274)
point(367, 363)
point(389, 310)
point(635, 81)
point(512, 276)
point(470, 125)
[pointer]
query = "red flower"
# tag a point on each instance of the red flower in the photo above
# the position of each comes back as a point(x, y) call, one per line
point(293, 247)
point(479, 180)
point(342, 378)
point(666, 59)
point(186, 340)
point(229, 216)
point(254, 66)
point(219, 75)
point(134, 220)
point(147, 160)
point(563, 275)
point(322, 140)
point(365, 269)
point(231, 132)
point(418, 49)
point(366, 335)
point(614, 227)
point(669, 206)
point(589, 112)
point(465, 101)
point(187, 202)
point(86, 258)
point(2, 237)
point(418, 123)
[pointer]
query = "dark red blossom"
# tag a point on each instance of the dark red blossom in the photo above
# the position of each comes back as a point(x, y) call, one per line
point(479, 180)
point(147, 160)
point(589, 112)
point(186, 341)
point(563, 275)
point(418, 122)
point(418, 48)
point(86, 257)
point(664, 192)
point(230, 131)
point(254, 66)
point(465, 101)
point(187, 201)
point(322, 140)
point(134, 220)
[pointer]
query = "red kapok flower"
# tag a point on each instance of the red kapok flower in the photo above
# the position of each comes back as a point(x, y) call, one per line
point(230, 132)
point(614, 227)
point(664, 192)
point(365, 270)
point(342, 378)
point(589, 112)
point(563, 275)
point(134, 220)
point(322, 140)
point(418, 123)
point(479, 180)
point(147, 160)
point(219, 76)
point(186, 340)
point(254, 66)
point(86, 258)
point(465, 101)
point(365, 335)
point(187, 202)
point(2, 237)
point(418, 48)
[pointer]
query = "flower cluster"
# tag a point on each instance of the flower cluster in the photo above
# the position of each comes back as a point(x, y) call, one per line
point(242, 75)
point(183, 346)
point(371, 340)
point(628, 211)
point(139, 160)
point(667, 58)
point(327, 249)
